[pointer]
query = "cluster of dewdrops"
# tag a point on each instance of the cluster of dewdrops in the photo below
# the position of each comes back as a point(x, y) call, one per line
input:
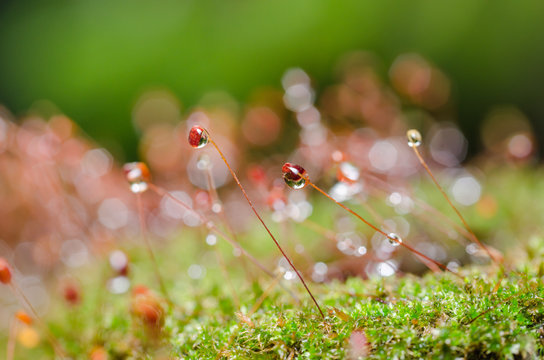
point(296, 177)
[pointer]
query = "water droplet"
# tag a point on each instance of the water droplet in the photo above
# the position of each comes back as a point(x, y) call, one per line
point(320, 268)
point(216, 208)
point(347, 172)
point(137, 174)
point(391, 238)
point(119, 262)
point(295, 176)
point(338, 156)
point(211, 239)
point(320, 271)
point(289, 275)
point(453, 266)
point(361, 250)
point(471, 249)
point(196, 271)
point(198, 137)
point(203, 162)
point(385, 269)
point(414, 138)
point(138, 188)
point(118, 285)
point(395, 198)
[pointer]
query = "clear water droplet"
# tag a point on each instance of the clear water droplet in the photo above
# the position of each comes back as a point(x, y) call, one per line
point(385, 269)
point(138, 188)
point(414, 138)
point(361, 250)
point(203, 162)
point(119, 262)
point(211, 239)
point(453, 266)
point(320, 268)
point(392, 236)
point(196, 271)
point(295, 176)
point(198, 137)
point(347, 172)
point(289, 275)
point(118, 285)
point(217, 207)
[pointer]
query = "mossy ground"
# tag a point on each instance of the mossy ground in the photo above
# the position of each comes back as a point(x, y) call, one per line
point(438, 316)
point(488, 313)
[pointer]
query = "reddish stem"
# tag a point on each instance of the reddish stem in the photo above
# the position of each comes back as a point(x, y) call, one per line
point(472, 235)
point(266, 227)
point(161, 192)
point(442, 266)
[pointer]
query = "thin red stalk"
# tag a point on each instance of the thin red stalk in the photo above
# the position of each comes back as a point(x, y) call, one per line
point(54, 343)
point(385, 187)
point(212, 227)
point(472, 235)
point(266, 227)
point(143, 230)
point(442, 266)
point(215, 200)
point(328, 234)
point(161, 192)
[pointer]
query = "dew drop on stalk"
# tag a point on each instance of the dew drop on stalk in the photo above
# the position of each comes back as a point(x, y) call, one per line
point(414, 138)
point(137, 174)
point(392, 236)
point(294, 176)
point(198, 137)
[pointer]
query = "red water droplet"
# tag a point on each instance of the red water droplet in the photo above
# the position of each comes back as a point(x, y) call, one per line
point(198, 137)
point(294, 175)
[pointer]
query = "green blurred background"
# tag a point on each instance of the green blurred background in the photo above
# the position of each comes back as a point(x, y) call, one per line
point(93, 59)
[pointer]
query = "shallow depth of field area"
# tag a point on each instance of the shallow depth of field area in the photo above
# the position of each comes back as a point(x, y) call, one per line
point(360, 205)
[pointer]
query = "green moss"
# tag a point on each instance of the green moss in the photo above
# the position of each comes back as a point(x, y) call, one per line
point(403, 317)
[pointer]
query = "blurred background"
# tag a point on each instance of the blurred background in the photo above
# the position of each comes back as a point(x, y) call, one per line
point(100, 62)
point(334, 86)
